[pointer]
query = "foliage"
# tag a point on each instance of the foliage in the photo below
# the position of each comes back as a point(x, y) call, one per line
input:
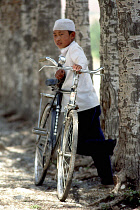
point(95, 38)
point(132, 198)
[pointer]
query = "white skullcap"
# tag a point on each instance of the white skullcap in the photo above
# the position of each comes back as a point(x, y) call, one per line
point(64, 24)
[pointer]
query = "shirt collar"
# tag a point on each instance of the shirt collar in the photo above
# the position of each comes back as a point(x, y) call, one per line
point(64, 50)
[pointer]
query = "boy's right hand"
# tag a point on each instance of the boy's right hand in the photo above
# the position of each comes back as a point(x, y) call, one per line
point(60, 74)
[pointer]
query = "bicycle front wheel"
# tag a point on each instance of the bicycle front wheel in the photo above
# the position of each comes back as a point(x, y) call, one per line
point(44, 145)
point(66, 156)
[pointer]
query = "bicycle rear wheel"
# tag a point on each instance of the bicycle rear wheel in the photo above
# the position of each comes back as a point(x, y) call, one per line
point(66, 156)
point(44, 145)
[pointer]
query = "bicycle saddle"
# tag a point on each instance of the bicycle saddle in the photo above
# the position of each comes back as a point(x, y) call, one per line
point(51, 82)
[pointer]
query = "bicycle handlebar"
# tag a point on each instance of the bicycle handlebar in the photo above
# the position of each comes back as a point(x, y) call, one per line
point(56, 65)
point(49, 59)
point(71, 69)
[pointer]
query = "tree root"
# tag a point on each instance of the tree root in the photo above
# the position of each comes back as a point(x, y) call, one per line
point(108, 201)
point(16, 117)
point(112, 198)
point(12, 116)
point(118, 179)
point(8, 113)
point(104, 199)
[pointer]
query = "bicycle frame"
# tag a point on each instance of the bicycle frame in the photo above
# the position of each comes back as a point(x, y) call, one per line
point(72, 100)
point(48, 126)
point(56, 101)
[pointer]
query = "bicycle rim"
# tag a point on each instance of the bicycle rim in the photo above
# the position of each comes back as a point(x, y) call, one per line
point(66, 156)
point(43, 147)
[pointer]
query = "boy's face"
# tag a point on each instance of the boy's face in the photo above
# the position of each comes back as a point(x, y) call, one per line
point(62, 38)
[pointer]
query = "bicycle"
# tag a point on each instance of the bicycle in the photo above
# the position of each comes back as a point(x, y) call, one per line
point(49, 140)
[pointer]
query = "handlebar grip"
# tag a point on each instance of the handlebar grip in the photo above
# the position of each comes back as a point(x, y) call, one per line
point(42, 59)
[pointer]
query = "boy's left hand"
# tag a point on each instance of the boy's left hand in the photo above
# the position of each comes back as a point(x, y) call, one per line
point(77, 68)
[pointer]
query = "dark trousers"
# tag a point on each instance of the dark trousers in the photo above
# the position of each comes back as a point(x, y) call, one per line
point(91, 142)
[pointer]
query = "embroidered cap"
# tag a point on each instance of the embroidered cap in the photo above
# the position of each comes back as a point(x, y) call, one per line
point(64, 24)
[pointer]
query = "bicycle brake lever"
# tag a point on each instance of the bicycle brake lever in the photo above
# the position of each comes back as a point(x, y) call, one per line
point(49, 59)
point(47, 67)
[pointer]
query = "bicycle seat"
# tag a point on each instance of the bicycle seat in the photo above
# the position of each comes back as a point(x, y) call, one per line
point(54, 82)
point(51, 82)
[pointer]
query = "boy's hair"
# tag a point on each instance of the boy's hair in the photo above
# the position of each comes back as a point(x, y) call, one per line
point(70, 32)
point(64, 24)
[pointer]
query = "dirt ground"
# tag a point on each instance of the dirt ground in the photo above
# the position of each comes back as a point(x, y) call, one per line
point(17, 189)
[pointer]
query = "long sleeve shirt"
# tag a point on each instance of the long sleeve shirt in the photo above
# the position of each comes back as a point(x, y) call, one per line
point(86, 96)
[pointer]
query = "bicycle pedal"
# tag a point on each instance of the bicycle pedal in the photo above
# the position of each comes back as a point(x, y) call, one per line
point(39, 131)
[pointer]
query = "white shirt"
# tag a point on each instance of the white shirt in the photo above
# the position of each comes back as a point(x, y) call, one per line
point(86, 96)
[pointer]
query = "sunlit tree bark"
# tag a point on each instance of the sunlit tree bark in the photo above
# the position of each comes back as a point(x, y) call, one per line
point(109, 59)
point(26, 35)
point(128, 161)
point(78, 11)
point(120, 52)
point(48, 12)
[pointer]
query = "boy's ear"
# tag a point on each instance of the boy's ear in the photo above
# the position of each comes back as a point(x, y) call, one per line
point(73, 35)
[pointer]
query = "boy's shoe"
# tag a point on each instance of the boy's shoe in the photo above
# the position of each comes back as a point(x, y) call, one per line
point(107, 186)
point(110, 185)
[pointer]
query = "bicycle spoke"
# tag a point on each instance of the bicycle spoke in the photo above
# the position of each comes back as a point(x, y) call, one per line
point(66, 158)
point(43, 147)
point(40, 158)
point(42, 139)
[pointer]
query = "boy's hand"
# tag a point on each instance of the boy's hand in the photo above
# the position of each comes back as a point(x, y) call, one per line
point(77, 68)
point(60, 74)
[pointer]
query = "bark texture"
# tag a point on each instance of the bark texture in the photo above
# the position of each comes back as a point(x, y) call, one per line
point(78, 11)
point(26, 35)
point(129, 89)
point(120, 100)
point(109, 59)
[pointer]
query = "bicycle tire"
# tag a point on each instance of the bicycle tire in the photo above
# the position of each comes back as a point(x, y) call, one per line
point(44, 145)
point(66, 156)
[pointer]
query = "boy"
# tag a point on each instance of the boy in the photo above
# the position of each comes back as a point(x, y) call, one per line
point(91, 140)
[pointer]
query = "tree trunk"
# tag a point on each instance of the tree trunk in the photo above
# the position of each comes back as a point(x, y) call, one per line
point(109, 59)
point(26, 35)
point(78, 11)
point(48, 12)
point(128, 159)
point(10, 50)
